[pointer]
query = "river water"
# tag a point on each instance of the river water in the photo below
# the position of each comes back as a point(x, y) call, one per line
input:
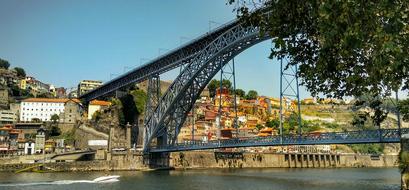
point(225, 179)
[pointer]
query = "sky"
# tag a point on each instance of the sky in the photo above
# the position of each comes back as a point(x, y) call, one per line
point(62, 42)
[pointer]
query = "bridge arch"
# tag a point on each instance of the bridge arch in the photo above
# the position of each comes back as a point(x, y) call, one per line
point(169, 116)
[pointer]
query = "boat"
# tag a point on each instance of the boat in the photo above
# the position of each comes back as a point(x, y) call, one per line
point(107, 179)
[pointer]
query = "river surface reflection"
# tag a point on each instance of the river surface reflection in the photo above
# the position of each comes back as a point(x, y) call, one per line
point(226, 179)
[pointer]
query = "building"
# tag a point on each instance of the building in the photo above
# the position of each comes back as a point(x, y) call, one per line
point(309, 101)
point(8, 77)
point(21, 146)
point(7, 117)
point(4, 140)
point(40, 141)
point(29, 147)
point(61, 92)
point(15, 108)
point(28, 128)
point(23, 84)
point(49, 146)
point(4, 98)
point(9, 139)
point(96, 105)
point(72, 111)
point(35, 86)
point(87, 85)
point(43, 108)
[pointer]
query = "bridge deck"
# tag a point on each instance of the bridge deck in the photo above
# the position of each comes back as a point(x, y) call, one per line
point(349, 137)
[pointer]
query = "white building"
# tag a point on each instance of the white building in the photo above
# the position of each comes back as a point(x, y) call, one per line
point(29, 147)
point(96, 105)
point(41, 108)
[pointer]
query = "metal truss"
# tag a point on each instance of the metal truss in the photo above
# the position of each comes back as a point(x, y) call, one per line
point(173, 59)
point(349, 137)
point(182, 93)
point(289, 92)
point(152, 102)
point(227, 72)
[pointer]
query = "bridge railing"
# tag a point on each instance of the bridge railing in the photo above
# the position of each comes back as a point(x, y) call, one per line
point(347, 137)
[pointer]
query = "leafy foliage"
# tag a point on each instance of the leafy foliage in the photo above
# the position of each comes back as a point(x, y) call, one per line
point(35, 120)
point(343, 48)
point(16, 91)
point(20, 72)
point(403, 160)
point(375, 103)
point(54, 118)
point(215, 84)
point(4, 64)
point(241, 93)
point(309, 126)
point(251, 95)
point(140, 98)
point(275, 123)
point(55, 131)
point(404, 109)
point(96, 116)
point(368, 148)
point(259, 126)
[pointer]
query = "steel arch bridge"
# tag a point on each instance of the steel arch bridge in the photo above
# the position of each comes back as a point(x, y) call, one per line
point(203, 58)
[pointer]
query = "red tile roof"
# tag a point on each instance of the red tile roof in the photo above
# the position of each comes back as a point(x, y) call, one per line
point(50, 100)
point(100, 103)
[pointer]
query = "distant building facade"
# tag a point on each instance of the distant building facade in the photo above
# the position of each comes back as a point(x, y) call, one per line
point(72, 111)
point(4, 97)
point(87, 85)
point(40, 141)
point(35, 86)
point(42, 108)
point(7, 117)
point(96, 105)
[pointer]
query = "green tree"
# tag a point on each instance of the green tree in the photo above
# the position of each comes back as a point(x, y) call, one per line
point(4, 64)
point(35, 120)
point(293, 120)
point(241, 93)
point(359, 120)
point(368, 148)
point(275, 123)
point(251, 95)
point(350, 47)
point(215, 84)
point(259, 127)
point(20, 72)
point(55, 131)
point(140, 98)
point(342, 48)
point(55, 118)
point(404, 109)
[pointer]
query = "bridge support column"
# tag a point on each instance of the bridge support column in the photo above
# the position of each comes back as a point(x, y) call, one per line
point(289, 91)
point(157, 160)
point(153, 101)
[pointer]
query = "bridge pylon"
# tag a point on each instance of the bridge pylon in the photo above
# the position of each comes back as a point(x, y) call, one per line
point(227, 72)
point(289, 94)
point(153, 100)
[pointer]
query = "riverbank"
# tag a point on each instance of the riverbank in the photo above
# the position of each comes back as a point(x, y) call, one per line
point(207, 159)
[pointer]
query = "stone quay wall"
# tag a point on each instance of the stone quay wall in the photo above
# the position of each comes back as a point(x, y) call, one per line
point(192, 160)
point(206, 159)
